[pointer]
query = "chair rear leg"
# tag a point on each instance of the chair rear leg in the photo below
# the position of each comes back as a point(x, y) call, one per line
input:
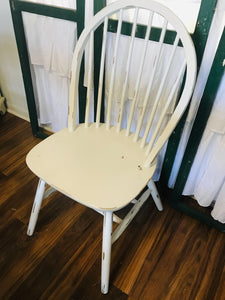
point(36, 206)
point(155, 195)
point(106, 251)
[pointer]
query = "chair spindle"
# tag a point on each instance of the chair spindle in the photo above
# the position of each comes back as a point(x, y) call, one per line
point(162, 116)
point(108, 117)
point(147, 34)
point(160, 43)
point(158, 95)
point(90, 78)
point(131, 47)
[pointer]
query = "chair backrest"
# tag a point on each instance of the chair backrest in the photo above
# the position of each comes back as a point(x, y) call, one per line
point(158, 72)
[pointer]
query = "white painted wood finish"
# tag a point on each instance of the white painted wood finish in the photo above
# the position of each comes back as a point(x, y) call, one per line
point(123, 98)
point(36, 206)
point(152, 76)
point(108, 116)
point(106, 251)
point(129, 217)
point(137, 86)
point(116, 219)
point(102, 166)
point(189, 55)
point(155, 195)
point(106, 162)
point(48, 192)
point(90, 78)
point(163, 113)
point(160, 90)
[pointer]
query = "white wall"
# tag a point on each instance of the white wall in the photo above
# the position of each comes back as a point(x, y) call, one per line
point(11, 81)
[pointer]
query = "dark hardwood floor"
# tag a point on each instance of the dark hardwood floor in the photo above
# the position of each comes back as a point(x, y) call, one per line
point(162, 255)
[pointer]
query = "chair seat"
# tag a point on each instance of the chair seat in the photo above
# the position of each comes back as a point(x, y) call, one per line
point(100, 168)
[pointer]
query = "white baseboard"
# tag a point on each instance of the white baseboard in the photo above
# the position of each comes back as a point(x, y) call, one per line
point(21, 116)
point(26, 118)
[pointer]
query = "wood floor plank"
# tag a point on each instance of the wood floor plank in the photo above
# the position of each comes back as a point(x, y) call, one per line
point(10, 126)
point(9, 243)
point(212, 272)
point(68, 259)
point(17, 203)
point(12, 154)
point(54, 219)
point(18, 179)
point(177, 272)
point(90, 286)
point(142, 237)
point(161, 264)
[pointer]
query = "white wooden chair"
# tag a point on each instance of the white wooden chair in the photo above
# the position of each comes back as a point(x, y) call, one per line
point(105, 167)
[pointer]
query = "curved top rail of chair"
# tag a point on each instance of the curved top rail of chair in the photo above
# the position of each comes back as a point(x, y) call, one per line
point(189, 54)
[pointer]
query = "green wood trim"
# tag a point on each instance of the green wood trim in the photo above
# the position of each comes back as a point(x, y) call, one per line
point(25, 66)
point(199, 37)
point(141, 30)
point(216, 73)
point(82, 89)
point(98, 5)
point(202, 28)
point(196, 214)
point(80, 16)
point(45, 10)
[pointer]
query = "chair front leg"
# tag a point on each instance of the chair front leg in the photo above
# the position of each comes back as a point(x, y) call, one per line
point(36, 206)
point(106, 251)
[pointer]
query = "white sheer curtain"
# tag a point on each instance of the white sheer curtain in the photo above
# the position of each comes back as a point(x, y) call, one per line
point(206, 180)
point(51, 43)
